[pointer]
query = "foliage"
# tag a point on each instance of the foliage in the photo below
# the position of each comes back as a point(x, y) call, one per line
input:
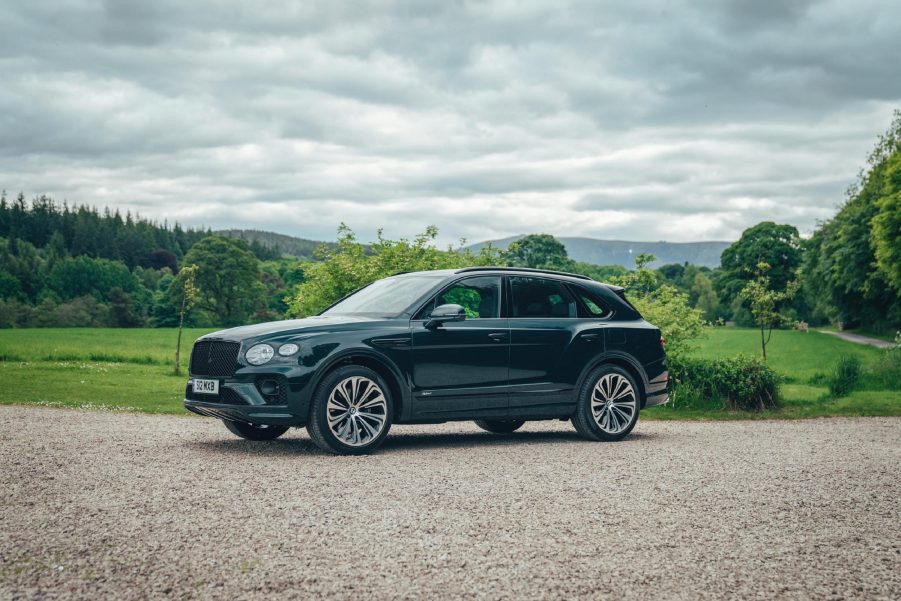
point(227, 279)
point(538, 251)
point(845, 376)
point(662, 305)
point(765, 302)
point(350, 265)
point(186, 284)
point(779, 246)
point(851, 262)
point(739, 383)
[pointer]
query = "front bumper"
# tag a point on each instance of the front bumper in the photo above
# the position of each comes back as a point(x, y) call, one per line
point(242, 402)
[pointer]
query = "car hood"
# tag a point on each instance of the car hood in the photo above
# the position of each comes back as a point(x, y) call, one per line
point(289, 326)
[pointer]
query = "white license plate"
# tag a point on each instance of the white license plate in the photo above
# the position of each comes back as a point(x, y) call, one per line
point(206, 386)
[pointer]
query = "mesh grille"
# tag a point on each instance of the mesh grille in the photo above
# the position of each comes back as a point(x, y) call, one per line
point(281, 395)
point(214, 358)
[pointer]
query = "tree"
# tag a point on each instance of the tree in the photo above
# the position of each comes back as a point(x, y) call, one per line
point(777, 245)
point(538, 251)
point(227, 279)
point(887, 223)
point(765, 302)
point(122, 310)
point(706, 300)
point(664, 306)
point(349, 265)
point(185, 283)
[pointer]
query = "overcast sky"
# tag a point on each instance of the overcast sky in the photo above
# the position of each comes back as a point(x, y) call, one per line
point(631, 120)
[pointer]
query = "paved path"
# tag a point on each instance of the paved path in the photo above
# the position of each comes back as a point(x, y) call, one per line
point(97, 505)
point(859, 339)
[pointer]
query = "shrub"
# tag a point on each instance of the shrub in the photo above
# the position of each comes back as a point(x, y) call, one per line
point(845, 376)
point(740, 383)
point(885, 374)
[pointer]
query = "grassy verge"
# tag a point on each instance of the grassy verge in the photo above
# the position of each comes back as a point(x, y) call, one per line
point(132, 370)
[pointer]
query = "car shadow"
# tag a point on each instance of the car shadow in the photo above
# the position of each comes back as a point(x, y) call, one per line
point(398, 441)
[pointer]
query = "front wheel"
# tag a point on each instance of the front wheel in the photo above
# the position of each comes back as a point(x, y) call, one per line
point(499, 426)
point(608, 404)
point(253, 431)
point(351, 411)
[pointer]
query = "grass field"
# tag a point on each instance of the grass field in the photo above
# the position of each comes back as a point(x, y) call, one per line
point(132, 369)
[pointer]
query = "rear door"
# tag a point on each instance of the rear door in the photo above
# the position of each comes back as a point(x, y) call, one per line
point(550, 343)
point(460, 368)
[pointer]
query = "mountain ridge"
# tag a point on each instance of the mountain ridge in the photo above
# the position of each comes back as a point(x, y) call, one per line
point(580, 248)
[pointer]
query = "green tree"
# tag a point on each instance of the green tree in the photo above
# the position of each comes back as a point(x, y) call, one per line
point(227, 280)
point(122, 310)
point(538, 251)
point(706, 300)
point(664, 306)
point(186, 285)
point(887, 223)
point(777, 245)
point(765, 302)
point(349, 265)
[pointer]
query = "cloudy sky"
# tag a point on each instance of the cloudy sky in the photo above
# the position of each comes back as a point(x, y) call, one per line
point(640, 120)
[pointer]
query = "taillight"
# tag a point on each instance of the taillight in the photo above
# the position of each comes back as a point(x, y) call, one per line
point(663, 342)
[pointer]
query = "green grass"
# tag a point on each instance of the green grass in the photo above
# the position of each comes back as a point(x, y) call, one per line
point(131, 369)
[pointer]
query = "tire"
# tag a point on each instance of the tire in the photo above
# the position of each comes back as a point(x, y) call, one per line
point(254, 432)
point(500, 426)
point(597, 416)
point(358, 402)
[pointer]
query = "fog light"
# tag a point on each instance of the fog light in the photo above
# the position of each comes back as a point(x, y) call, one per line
point(269, 387)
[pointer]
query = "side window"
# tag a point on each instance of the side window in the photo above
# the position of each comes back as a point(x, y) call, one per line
point(537, 297)
point(479, 296)
point(593, 304)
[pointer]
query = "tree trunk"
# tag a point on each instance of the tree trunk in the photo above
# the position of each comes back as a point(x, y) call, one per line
point(762, 343)
point(181, 323)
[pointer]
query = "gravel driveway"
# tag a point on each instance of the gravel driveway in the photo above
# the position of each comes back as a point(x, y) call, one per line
point(119, 506)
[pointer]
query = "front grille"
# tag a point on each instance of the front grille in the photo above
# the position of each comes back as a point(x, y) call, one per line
point(214, 358)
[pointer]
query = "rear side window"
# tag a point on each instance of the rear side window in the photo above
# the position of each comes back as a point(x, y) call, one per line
point(594, 305)
point(538, 297)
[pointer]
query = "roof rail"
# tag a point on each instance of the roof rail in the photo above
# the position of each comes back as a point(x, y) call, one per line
point(526, 269)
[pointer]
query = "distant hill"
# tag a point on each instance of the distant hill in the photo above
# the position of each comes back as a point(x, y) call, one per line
point(623, 252)
point(288, 245)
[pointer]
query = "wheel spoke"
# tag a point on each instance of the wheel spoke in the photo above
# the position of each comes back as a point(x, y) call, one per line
point(357, 410)
point(613, 403)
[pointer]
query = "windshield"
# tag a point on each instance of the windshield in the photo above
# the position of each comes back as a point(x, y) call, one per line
point(386, 298)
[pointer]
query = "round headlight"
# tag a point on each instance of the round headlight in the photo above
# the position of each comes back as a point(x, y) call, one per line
point(287, 350)
point(259, 354)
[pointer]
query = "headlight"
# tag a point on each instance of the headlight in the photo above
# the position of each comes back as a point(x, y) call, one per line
point(287, 350)
point(259, 354)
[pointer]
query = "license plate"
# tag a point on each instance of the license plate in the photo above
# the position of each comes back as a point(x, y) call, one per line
point(206, 386)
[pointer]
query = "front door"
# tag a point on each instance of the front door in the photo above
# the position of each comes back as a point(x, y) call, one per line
point(460, 368)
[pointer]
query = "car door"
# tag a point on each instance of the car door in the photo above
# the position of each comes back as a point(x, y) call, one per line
point(460, 368)
point(550, 343)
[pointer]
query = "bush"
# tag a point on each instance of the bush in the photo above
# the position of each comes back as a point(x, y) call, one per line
point(739, 383)
point(845, 376)
point(885, 374)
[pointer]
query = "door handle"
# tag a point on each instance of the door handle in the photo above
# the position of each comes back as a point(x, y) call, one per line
point(498, 336)
point(590, 336)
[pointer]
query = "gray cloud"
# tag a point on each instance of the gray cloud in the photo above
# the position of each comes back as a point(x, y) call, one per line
point(649, 120)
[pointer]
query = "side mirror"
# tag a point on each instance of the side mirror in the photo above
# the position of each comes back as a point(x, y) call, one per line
point(445, 313)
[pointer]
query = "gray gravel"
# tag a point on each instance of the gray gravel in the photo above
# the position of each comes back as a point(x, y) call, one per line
point(119, 506)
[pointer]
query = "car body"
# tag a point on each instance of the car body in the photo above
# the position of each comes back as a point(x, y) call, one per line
point(497, 345)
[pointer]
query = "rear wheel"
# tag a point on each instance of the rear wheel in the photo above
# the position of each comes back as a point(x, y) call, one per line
point(254, 431)
point(608, 404)
point(500, 426)
point(351, 411)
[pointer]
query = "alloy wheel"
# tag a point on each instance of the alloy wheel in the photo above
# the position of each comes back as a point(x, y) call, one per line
point(613, 403)
point(357, 411)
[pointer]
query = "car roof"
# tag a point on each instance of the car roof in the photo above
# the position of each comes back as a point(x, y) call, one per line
point(526, 271)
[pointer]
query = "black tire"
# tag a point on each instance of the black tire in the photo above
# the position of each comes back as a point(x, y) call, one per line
point(584, 421)
point(500, 426)
point(318, 423)
point(253, 432)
